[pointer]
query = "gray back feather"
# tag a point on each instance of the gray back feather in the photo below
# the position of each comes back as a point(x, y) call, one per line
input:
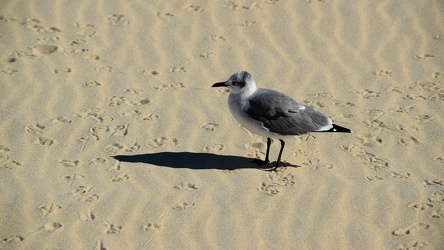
point(281, 114)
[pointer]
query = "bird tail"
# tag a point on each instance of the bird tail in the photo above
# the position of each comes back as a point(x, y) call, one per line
point(337, 128)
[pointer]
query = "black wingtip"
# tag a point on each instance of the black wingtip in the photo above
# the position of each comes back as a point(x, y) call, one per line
point(337, 128)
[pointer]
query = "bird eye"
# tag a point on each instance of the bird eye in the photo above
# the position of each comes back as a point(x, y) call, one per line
point(234, 83)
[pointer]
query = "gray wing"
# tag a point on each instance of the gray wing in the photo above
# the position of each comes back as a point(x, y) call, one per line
point(281, 114)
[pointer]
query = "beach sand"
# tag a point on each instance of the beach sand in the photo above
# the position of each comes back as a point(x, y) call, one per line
point(111, 136)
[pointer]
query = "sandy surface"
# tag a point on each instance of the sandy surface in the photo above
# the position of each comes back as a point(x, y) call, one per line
point(83, 81)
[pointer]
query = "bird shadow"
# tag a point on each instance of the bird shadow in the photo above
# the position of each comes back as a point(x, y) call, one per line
point(197, 161)
point(190, 160)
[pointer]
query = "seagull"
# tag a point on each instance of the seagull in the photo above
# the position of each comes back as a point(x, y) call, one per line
point(272, 114)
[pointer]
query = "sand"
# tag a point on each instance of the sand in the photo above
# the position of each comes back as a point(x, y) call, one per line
point(82, 82)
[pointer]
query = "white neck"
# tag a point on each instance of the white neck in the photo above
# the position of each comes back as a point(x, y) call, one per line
point(248, 90)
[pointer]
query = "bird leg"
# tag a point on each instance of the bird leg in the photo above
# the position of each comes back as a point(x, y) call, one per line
point(267, 160)
point(280, 154)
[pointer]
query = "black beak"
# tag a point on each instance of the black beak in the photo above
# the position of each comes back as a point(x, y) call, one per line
point(219, 84)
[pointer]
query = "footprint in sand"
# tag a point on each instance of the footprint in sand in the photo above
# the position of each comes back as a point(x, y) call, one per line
point(170, 86)
point(184, 205)
point(118, 19)
point(139, 102)
point(210, 126)
point(214, 148)
point(207, 54)
point(194, 8)
point(97, 161)
point(104, 69)
point(375, 162)
point(217, 38)
point(77, 42)
point(151, 227)
point(255, 149)
point(369, 159)
point(399, 175)
point(425, 56)
point(9, 71)
point(367, 94)
point(408, 141)
point(114, 168)
point(234, 6)
point(83, 193)
point(51, 226)
point(433, 183)
point(344, 104)
point(248, 23)
point(177, 69)
point(4, 152)
point(166, 17)
point(11, 164)
point(95, 114)
point(97, 132)
point(68, 163)
point(120, 178)
point(92, 84)
point(11, 239)
point(116, 147)
point(406, 128)
point(61, 119)
point(162, 141)
point(424, 118)
point(419, 206)
point(119, 130)
point(370, 139)
point(411, 245)
point(186, 186)
point(48, 208)
point(62, 71)
point(386, 175)
point(72, 178)
point(85, 30)
point(114, 101)
point(99, 245)
point(371, 123)
point(112, 229)
point(89, 137)
point(315, 163)
point(87, 215)
point(137, 114)
point(92, 57)
point(150, 73)
point(270, 188)
point(44, 141)
point(77, 51)
point(35, 24)
point(417, 226)
point(383, 73)
point(133, 91)
point(34, 128)
point(271, 1)
point(437, 214)
point(437, 196)
point(276, 182)
point(406, 109)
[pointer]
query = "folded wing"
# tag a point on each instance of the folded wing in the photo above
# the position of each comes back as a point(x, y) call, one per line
point(281, 114)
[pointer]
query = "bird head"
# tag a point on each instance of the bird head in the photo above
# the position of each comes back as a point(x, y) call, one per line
point(240, 82)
